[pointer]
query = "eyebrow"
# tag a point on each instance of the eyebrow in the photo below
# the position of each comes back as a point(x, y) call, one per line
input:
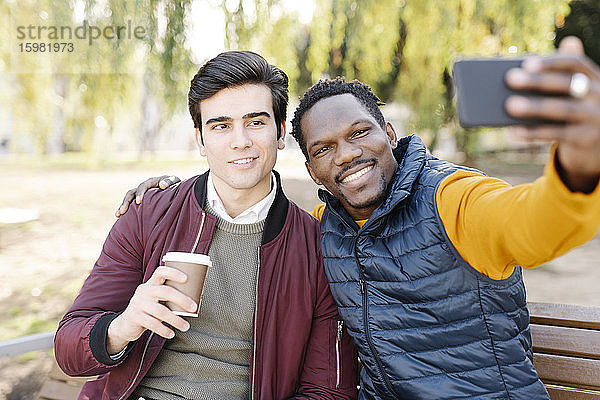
point(245, 116)
point(361, 121)
point(218, 119)
point(317, 143)
point(256, 114)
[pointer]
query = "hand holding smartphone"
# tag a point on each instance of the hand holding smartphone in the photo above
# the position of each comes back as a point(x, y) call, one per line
point(482, 91)
point(558, 98)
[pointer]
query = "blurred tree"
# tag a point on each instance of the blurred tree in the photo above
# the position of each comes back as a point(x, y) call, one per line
point(403, 49)
point(439, 32)
point(583, 21)
point(168, 68)
point(266, 27)
point(359, 40)
point(31, 119)
point(80, 100)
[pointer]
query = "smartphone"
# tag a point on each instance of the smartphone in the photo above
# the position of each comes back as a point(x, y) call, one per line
point(481, 92)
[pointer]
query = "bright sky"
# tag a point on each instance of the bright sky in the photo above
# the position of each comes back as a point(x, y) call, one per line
point(207, 27)
point(206, 23)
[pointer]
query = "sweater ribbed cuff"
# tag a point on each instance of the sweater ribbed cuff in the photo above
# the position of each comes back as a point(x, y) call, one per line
point(98, 341)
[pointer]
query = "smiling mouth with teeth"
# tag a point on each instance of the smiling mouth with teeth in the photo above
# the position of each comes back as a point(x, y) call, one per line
point(243, 161)
point(357, 174)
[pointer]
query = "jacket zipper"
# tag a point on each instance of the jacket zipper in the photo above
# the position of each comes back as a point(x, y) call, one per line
point(199, 232)
point(363, 287)
point(338, 342)
point(139, 368)
point(254, 333)
point(152, 333)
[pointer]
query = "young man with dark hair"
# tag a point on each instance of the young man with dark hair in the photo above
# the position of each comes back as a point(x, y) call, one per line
point(231, 68)
point(424, 257)
point(268, 327)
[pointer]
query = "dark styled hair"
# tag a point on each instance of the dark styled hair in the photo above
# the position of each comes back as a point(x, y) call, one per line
point(326, 88)
point(236, 68)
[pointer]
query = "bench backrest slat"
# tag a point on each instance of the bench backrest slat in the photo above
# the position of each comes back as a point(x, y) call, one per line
point(566, 341)
point(568, 371)
point(564, 315)
point(566, 349)
point(25, 344)
point(558, 393)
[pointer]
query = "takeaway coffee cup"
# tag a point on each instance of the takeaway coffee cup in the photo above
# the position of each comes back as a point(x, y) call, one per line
point(195, 266)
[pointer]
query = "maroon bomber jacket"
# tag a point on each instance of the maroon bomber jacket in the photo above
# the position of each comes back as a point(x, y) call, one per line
point(296, 348)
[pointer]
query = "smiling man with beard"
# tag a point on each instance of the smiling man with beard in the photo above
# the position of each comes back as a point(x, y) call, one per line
point(424, 257)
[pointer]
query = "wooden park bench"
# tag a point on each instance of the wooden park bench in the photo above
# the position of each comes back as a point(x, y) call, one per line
point(566, 349)
point(566, 346)
point(60, 386)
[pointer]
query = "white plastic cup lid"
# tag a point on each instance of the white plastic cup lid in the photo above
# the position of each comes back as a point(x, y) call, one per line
point(187, 258)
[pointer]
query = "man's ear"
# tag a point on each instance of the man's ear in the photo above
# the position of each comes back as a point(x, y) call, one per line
point(391, 134)
point(199, 142)
point(281, 140)
point(312, 174)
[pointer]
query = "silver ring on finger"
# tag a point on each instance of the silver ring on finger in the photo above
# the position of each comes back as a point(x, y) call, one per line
point(580, 85)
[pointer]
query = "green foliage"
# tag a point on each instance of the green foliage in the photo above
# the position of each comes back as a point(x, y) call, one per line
point(358, 40)
point(583, 21)
point(439, 32)
point(404, 49)
point(267, 28)
point(78, 101)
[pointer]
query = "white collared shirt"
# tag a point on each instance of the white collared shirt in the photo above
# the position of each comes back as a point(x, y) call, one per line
point(256, 213)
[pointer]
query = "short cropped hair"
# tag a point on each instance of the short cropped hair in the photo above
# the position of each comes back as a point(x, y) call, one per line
point(326, 88)
point(236, 68)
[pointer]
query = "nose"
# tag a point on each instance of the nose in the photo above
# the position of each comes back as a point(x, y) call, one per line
point(346, 152)
point(241, 138)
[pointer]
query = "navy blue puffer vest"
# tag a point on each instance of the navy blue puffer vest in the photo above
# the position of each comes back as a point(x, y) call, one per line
point(427, 325)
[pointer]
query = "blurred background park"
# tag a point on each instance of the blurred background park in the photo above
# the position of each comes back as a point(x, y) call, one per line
point(93, 100)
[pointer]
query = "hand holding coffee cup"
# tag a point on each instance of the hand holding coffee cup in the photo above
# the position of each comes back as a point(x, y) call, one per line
point(146, 311)
point(195, 266)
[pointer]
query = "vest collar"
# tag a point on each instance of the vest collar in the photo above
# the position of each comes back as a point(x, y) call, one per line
point(410, 154)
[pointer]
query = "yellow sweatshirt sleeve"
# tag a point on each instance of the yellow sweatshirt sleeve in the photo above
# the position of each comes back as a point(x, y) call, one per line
point(496, 226)
point(318, 211)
